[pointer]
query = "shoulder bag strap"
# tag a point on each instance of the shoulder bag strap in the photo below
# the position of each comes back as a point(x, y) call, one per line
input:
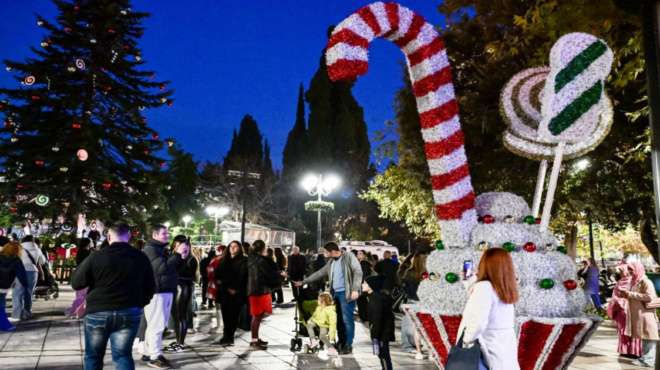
point(29, 255)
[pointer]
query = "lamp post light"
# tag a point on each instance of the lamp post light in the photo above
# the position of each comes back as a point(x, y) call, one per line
point(186, 219)
point(591, 234)
point(315, 185)
point(215, 212)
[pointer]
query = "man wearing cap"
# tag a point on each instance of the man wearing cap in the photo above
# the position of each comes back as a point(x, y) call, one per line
point(345, 277)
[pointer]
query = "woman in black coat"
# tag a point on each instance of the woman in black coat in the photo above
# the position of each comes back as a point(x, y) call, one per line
point(279, 261)
point(262, 278)
point(233, 272)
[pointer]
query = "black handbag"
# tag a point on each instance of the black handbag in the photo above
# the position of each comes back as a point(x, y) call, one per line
point(399, 299)
point(464, 358)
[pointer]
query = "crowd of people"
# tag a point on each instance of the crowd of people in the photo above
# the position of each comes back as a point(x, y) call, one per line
point(131, 295)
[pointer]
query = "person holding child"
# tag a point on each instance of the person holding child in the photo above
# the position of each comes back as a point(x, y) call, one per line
point(324, 318)
point(381, 318)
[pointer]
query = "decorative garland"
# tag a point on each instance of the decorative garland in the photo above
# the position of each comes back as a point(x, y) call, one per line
point(319, 205)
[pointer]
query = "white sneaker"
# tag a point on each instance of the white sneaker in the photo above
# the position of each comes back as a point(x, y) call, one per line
point(640, 363)
point(13, 320)
point(419, 356)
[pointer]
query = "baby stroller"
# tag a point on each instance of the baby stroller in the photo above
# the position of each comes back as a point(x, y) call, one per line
point(46, 286)
point(305, 306)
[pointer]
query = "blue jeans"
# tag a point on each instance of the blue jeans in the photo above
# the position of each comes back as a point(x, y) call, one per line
point(347, 309)
point(120, 327)
point(596, 300)
point(4, 323)
point(21, 296)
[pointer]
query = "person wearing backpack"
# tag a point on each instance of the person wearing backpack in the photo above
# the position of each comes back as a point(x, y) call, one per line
point(32, 261)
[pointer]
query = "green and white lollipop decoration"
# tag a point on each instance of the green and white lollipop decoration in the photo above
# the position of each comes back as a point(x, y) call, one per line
point(573, 98)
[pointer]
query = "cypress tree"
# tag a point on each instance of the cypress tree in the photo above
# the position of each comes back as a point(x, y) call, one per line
point(295, 148)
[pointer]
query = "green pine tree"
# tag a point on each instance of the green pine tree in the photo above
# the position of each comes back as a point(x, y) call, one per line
point(84, 91)
point(296, 146)
point(246, 151)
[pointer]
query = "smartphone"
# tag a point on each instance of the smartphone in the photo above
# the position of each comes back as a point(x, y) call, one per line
point(468, 270)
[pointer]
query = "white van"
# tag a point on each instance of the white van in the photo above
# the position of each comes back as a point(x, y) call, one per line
point(377, 247)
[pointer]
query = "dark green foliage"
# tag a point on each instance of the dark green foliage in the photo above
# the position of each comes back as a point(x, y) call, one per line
point(296, 145)
point(104, 99)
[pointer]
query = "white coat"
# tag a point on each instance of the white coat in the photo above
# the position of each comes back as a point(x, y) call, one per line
point(35, 252)
point(490, 321)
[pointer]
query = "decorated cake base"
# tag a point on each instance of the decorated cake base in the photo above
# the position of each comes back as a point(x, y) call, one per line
point(543, 343)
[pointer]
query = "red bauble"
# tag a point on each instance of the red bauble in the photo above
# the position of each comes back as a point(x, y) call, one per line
point(538, 220)
point(162, 164)
point(162, 87)
point(146, 152)
point(424, 275)
point(144, 119)
point(108, 88)
point(67, 29)
point(155, 136)
point(14, 209)
point(76, 8)
point(103, 69)
point(6, 123)
point(34, 97)
point(126, 47)
point(529, 247)
point(76, 125)
point(136, 233)
point(488, 219)
point(106, 185)
point(19, 186)
point(139, 32)
point(50, 41)
point(169, 104)
point(151, 75)
point(111, 31)
point(39, 163)
point(570, 284)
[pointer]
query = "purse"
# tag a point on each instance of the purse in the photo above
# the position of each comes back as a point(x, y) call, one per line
point(654, 303)
point(399, 299)
point(465, 358)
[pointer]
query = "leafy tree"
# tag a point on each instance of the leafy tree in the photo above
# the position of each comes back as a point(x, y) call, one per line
point(182, 180)
point(84, 91)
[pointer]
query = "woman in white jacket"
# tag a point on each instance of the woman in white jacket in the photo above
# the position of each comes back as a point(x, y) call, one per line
point(22, 295)
point(489, 313)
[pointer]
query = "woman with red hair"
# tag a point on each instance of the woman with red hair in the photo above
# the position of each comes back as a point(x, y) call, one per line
point(489, 313)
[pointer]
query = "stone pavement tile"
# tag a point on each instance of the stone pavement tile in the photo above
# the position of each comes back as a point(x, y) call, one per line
point(20, 363)
point(60, 362)
point(5, 354)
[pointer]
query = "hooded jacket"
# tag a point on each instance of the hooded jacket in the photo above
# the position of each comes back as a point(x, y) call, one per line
point(10, 269)
point(261, 275)
point(164, 264)
point(352, 274)
point(381, 317)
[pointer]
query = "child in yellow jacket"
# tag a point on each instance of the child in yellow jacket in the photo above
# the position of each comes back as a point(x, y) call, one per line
point(325, 318)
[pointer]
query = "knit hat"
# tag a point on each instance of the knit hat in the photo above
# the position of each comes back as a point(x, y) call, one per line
point(375, 282)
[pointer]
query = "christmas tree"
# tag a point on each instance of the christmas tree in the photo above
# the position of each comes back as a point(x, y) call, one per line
point(75, 140)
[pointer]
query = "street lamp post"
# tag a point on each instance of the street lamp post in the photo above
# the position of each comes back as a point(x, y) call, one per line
point(186, 219)
point(317, 186)
point(591, 234)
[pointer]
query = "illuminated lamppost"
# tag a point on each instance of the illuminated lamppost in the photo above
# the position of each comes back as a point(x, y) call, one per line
point(315, 185)
point(186, 219)
point(215, 212)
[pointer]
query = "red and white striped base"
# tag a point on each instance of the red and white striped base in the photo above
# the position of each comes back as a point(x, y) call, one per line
point(543, 343)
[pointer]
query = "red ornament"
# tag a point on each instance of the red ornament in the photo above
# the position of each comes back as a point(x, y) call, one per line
point(39, 163)
point(424, 275)
point(6, 123)
point(529, 247)
point(76, 125)
point(144, 119)
point(537, 220)
point(570, 284)
point(162, 87)
point(111, 31)
point(13, 199)
point(76, 8)
point(136, 233)
point(108, 88)
point(103, 69)
point(169, 103)
point(126, 47)
point(34, 97)
point(14, 209)
point(67, 29)
point(139, 32)
point(155, 136)
point(151, 75)
point(162, 164)
point(106, 185)
point(19, 186)
point(488, 219)
point(146, 152)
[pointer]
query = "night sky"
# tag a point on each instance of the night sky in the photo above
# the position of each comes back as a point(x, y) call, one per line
point(230, 58)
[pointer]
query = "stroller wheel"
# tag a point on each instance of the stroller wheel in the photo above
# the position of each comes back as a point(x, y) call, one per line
point(321, 345)
point(56, 295)
point(299, 342)
point(47, 297)
point(306, 348)
point(293, 343)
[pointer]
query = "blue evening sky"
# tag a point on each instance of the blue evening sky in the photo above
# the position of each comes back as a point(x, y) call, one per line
point(230, 58)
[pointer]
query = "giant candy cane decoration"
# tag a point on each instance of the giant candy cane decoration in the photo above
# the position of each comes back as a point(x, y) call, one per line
point(347, 58)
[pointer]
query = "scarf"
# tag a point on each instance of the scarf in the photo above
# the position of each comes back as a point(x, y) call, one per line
point(638, 275)
point(618, 304)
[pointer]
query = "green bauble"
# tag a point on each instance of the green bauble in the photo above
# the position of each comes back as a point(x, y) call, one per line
point(547, 283)
point(510, 247)
point(530, 220)
point(438, 245)
point(562, 249)
point(451, 277)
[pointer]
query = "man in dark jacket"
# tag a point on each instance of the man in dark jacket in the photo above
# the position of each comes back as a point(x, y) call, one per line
point(387, 267)
point(165, 268)
point(381, 318)
point(296, 268)
point(120, 282)
point(316, 263)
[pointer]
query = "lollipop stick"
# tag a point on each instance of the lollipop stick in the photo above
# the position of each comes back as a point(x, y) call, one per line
point(540, 181)
point(556, 165)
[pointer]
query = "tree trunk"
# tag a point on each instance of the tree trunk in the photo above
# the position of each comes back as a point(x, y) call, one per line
point(647, 233)
point(571, 242)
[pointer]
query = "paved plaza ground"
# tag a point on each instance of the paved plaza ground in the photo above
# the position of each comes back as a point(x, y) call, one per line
point(51, 341)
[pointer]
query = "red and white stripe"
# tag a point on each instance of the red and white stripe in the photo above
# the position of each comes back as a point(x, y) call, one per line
point(347, 58)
